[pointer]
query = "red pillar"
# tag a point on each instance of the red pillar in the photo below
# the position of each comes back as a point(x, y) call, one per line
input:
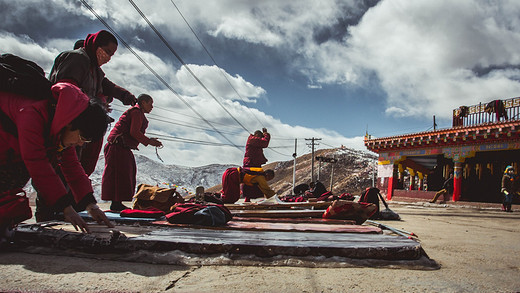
point(390, 189)
point(457, 181)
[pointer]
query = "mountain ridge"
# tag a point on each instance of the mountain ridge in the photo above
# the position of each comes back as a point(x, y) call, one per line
point(353, 172)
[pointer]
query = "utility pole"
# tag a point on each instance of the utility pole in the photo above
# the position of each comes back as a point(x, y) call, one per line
point(319, 169)
point(332, 172)
point(312, 157)
point(294, 164)
point(434, 124)
point(332, 160)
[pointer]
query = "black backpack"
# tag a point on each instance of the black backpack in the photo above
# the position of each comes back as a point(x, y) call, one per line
point(23, 77)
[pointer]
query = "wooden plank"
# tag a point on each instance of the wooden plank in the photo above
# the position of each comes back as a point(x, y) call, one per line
point(302, 227)
point(290, 205)
point(279, 213)
point(273, 226)
point(296, 220)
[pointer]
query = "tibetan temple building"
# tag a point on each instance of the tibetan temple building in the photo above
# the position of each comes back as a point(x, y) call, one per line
point(483, 140)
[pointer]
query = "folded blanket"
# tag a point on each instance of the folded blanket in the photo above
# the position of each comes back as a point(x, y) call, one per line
point(150, 212)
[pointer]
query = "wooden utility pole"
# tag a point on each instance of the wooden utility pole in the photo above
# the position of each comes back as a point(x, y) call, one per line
point(312, 144)
point(332, 160)
point(294, 164)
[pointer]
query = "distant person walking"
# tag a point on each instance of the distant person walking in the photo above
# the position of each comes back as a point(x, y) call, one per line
point(509, 188)
point(118, 182)
point(446, 191)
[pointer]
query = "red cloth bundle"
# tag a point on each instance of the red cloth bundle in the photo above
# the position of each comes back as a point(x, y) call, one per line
point(149, 212)
point(348, 210)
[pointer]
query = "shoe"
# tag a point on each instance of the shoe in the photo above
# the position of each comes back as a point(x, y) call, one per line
point(431, 201)
point(118, 206)
point(503, 207)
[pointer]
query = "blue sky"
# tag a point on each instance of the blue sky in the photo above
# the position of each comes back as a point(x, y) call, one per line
point(324, 69)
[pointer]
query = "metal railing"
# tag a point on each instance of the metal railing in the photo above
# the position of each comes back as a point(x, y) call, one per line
point(492, 112)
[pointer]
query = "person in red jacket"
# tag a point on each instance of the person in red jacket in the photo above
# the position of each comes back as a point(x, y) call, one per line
point(118, 183)
point(41, 140)
point(254, 155)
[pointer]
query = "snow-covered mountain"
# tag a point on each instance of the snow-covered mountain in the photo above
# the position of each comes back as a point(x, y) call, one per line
point(155, 173)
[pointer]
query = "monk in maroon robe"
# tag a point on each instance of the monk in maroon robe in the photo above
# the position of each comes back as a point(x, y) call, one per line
point(118, 182)
point(254, 155)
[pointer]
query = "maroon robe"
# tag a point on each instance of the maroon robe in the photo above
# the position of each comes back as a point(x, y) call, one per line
point(254, 155)
point(118, 182)
point(230, 185)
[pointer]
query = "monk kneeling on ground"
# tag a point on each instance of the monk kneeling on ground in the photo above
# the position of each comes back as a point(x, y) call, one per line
point(233, 177)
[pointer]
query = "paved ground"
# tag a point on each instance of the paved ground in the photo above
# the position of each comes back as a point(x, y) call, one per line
point(476, 245)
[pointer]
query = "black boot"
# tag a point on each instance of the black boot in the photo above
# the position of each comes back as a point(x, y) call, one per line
point(117, 206)
point(508, 208)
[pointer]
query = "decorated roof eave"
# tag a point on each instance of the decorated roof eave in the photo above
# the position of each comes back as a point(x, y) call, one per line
point(460, 135)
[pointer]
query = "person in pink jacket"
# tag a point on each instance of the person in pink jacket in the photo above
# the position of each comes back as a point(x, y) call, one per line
point(34, 140)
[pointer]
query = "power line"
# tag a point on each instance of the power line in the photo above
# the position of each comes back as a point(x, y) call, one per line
point(153, 71)
point(184, 63)
point(194, 117)
point(215, 62)
point(167, 85)
point(188, 140)
point(153, 116)
point(192, 141)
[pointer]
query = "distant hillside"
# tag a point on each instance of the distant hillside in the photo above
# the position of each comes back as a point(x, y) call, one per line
point(352, 173)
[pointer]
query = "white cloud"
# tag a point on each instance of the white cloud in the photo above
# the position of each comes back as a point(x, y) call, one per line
point(218, 81)
point(423, 52)
point(172, 118)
